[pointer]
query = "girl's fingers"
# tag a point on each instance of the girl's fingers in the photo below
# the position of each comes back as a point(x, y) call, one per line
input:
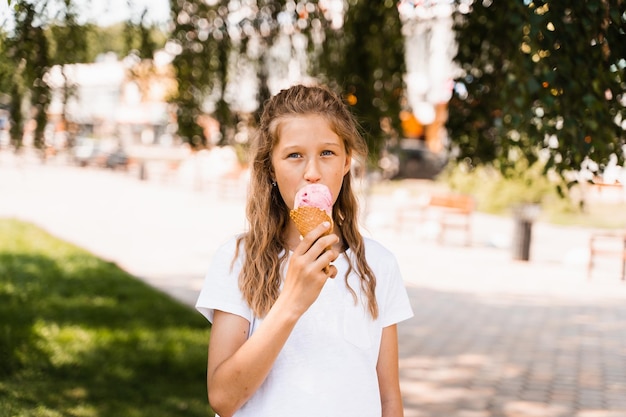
point(323, 262)
point(312, 237)
point(326, 256)
point(323, 243)
point(310, 267)
point(331, 271)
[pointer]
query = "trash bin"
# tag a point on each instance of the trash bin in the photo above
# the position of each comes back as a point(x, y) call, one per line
point(524, 217)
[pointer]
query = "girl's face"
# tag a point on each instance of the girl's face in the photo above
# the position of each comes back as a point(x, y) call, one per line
point(308, 152)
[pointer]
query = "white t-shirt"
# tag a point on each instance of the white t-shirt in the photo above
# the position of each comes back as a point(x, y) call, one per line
point(327, 367)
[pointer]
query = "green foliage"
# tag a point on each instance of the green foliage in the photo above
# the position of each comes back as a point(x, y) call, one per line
point(35, 48)
point(28, 47)
point(48, 33)
point(497, 193)
point(80, 337)
point(364, 60)
point(544, 81)
point(11, 90)
point(217, 38)
point(117, 38)
point(139, 37)
point(7, 67)
point(200, 64)
point(66, 37)
point(120, 39)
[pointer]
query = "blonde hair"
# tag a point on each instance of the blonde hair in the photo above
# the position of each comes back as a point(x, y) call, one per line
point(265, 249)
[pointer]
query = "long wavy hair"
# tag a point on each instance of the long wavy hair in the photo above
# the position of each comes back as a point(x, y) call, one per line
point(265, 248)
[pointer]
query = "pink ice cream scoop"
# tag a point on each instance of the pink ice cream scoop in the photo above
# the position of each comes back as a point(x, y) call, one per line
point(314, 195)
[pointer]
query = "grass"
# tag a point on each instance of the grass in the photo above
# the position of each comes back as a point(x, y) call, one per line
point(81, 337)
point(596, 215)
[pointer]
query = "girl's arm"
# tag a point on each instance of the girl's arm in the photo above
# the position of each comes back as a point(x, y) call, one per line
point(388, 375)
point(238, 365)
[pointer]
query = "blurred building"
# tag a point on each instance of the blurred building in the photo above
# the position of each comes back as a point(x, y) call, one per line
point(124, 100)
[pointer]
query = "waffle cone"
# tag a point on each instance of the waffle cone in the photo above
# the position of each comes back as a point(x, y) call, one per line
point(308, 218)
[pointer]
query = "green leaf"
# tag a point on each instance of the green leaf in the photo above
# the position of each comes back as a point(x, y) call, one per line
point(532, 85)
point(568, 82)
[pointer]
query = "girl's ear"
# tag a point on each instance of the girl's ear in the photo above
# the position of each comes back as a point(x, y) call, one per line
point(347, 164)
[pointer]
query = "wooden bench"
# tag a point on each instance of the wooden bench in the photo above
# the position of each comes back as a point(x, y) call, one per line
point(608, 192)
point(450, 211)
point(600, 245)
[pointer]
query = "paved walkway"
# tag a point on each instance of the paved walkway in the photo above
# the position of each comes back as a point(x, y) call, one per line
point(491, 337)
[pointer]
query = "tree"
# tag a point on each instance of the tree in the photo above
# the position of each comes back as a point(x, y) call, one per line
point(47, 33)
point(542, 81)
point(29, 48)
point(200, 41)
point(223, 43)
point(10, 91)
point(68, 45)
point(39, 40)
point(361, 58)
point(7, 67)
point(142, 37)
point(364, 60)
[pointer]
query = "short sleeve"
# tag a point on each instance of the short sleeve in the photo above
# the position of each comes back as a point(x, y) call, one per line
point(396, 306)
point(220, 290)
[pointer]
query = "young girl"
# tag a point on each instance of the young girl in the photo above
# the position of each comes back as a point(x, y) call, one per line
point(296, 330)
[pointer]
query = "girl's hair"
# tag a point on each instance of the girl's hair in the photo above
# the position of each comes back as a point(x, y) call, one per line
point(265, 249)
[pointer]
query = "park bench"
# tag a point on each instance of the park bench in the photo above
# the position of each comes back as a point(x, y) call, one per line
point(612, 243)
point(448, 210)
point(608, 192)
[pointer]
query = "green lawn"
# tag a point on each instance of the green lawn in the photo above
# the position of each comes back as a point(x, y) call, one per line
point(80, 337)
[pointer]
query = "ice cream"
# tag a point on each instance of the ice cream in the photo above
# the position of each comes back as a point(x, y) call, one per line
point(313, 204)
point(315, 195)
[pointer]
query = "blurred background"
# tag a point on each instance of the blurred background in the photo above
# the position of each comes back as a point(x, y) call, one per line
point(469, 91)
point(497, 140)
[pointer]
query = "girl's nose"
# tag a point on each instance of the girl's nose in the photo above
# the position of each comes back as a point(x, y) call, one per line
point(312, 171)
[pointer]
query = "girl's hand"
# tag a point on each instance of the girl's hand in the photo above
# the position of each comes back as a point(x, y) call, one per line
point(309, 268)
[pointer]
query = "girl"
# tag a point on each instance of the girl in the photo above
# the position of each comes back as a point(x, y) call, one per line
point(296, 330)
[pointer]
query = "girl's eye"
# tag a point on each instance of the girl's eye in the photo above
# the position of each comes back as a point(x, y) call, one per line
point(327, 153)
point(294, 155)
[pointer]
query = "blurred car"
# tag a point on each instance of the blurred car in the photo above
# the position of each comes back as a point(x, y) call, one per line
point(101, 153)
point(118, 159)
point(416, 161)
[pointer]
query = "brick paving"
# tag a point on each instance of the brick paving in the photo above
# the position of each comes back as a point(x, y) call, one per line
point(465, 354)
point(491, 337)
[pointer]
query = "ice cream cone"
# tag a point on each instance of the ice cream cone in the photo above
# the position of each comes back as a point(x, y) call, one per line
point(308, 218)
